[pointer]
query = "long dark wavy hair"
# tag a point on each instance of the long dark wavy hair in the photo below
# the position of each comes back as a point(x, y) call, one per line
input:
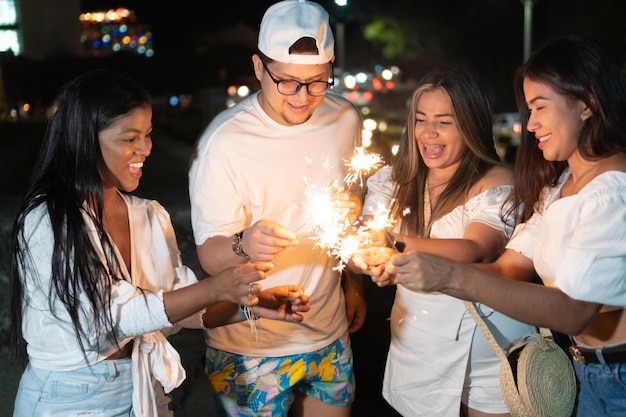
point(67, 181)
point(578, 68)
point(472, 112)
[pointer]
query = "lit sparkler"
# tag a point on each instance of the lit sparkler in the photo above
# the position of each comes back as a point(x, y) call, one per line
point(361, 164)
point(334, 232)
point(332, 229)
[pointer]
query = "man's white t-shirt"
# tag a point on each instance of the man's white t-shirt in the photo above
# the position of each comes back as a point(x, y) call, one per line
point(247, 167)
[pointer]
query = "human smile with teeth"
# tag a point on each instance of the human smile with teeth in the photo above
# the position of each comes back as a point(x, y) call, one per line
point(135, 168)
point(433, 150)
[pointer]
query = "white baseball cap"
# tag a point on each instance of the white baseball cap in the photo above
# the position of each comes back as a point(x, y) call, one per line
point(289, 20)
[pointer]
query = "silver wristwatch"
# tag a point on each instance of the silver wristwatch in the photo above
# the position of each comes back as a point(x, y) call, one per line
point(237, 243)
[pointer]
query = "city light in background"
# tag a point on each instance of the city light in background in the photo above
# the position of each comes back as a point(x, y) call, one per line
point(196, 61)
point(115, 31)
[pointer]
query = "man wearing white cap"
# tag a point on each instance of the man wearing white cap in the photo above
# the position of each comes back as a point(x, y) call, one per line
point(249, 178)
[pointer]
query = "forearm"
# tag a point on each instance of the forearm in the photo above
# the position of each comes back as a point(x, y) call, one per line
point(216, 254)
point(528, 302)
point(512, 265)
point(461, 250)
point(186, 301)
point(356, 305)
point(479, 243)
point(353, 282)
point(221, 314)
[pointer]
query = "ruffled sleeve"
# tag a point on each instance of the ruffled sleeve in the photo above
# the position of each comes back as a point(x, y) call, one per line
point(157, 263)
point(524, 239)
point(525, 236)
point(594, 264)
point(485, 207)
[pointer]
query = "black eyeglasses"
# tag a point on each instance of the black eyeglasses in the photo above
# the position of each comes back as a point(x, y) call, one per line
point(291, 87)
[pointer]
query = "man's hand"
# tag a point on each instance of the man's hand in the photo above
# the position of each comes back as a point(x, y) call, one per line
point(265, 239)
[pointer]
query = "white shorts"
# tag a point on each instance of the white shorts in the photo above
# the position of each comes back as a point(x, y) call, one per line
point(429, 375)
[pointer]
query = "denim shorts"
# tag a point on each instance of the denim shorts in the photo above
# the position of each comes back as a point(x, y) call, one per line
point(602, 389)
point(101, 390)
point(264, 386)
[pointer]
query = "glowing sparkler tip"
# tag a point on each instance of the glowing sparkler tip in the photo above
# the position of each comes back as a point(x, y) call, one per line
point(362, 163)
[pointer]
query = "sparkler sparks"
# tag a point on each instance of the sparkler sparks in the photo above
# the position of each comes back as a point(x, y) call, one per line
point(380, 219)
point(340, 238)
point(361, 164)
point(333, 230)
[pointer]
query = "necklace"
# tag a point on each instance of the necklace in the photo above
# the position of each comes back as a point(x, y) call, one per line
point(427, 206)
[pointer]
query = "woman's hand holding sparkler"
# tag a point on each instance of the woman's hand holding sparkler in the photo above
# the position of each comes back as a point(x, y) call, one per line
point(265, 239)
point(372, 260)
point(375, 253)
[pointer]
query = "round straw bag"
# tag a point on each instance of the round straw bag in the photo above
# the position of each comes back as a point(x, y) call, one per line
point(536, 376)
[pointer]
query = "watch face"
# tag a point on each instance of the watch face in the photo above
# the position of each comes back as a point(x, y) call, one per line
point(237, 244)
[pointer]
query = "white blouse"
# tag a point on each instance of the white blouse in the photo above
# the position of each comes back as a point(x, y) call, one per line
point(439, 314)
point(156, 266)
point(485, 207)
point(578, 243)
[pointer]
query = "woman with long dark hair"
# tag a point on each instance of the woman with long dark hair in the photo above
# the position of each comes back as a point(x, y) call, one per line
point(96, 272)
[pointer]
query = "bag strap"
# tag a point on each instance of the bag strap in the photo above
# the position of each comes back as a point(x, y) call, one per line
point(508, 386)
point(471, 307)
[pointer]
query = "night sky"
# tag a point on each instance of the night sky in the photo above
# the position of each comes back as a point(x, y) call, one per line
point(183, 16)
point(485, 34)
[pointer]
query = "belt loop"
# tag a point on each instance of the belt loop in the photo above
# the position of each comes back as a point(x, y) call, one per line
point(600, 356)
point(113, 371)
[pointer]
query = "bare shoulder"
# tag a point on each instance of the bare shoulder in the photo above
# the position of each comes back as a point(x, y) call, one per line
point(495, 177)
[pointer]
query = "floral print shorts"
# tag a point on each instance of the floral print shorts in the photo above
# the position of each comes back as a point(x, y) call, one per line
point(264, 386)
